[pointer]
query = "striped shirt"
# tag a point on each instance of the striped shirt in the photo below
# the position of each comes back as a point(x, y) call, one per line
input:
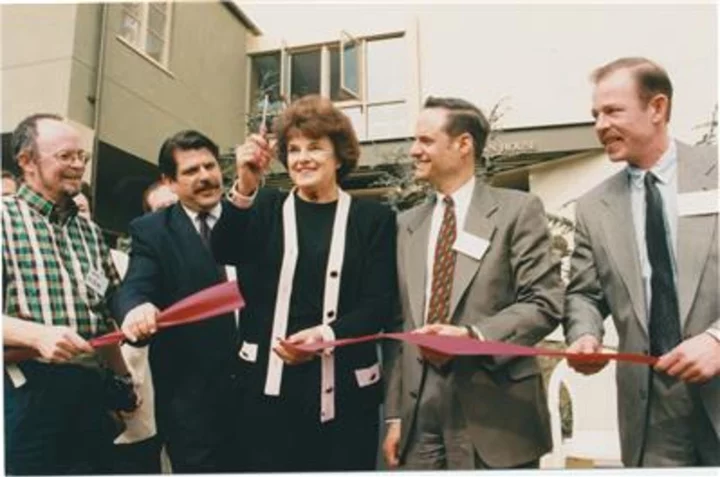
point(51, 259)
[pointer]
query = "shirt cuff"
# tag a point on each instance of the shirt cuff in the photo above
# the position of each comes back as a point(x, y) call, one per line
point(475, 333)
point(714, 332)
point(241, 201)
point(328, 335)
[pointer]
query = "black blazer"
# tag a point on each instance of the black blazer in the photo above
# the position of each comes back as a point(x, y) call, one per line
point(252, 239)
point(169, 262)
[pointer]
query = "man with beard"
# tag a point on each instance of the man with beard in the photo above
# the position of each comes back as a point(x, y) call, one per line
point(192, 366)
point(58, 279)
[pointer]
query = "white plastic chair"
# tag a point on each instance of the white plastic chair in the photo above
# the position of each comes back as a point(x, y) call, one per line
point(593, 400)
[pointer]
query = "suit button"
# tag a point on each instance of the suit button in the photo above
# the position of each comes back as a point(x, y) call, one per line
point(419, 360)
point(414, 394)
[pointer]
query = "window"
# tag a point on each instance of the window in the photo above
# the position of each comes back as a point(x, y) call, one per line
point(350, 66)
point(265, 79)
point(264, 82)
point(304, 73)
point(146, 26)
point(366, 78)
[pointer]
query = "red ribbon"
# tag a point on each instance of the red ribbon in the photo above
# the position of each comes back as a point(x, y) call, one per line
point(210, 302)
point(463, 346)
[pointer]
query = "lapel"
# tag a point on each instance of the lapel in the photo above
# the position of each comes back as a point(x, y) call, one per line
point(418, 231)
point(696, 172)
point(190, 245)
point(621, 242)
point(477, 223)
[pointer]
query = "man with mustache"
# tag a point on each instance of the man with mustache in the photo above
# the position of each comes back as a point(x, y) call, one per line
point(58, 280)
point(646, 251)
point(193, 367)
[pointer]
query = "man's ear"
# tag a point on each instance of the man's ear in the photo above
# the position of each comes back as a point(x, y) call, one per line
point(659, 105)
point(464, 143)
point(25, 161)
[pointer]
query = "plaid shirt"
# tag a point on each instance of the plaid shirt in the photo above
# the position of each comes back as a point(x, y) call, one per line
point(47, 256)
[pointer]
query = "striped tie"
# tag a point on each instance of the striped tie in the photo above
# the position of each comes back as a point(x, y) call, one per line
point(443, 267)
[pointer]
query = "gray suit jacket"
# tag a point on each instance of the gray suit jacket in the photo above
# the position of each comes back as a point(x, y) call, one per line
point(606, 279)
point(513, 293)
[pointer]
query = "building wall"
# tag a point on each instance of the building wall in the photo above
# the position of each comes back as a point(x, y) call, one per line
point(50, 63)
point(83, 79)
point(560, 183)
point(201, 88)
point(36, 62)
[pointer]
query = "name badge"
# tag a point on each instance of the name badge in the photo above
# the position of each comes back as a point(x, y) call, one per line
point(702, 202)
point(97, 281)
point(470, 245)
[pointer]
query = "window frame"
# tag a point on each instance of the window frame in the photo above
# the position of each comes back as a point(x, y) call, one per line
point(144, 30)
point(361, 101)
point(346, 38)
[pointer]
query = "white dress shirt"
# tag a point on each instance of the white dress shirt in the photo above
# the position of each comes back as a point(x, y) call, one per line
point(461, 199)
point(212, 218)
point(665, 170)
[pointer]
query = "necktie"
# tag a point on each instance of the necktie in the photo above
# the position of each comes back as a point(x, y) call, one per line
point(204, 228)
point(205, 231)
point(664, 323)
point(443, 267)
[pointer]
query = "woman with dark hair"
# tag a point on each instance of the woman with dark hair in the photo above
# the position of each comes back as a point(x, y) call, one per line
point(315, 265)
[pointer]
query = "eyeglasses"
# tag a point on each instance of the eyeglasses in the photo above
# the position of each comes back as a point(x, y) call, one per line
point(67, 157)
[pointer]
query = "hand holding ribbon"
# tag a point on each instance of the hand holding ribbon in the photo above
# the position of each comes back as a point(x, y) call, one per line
point(464, 346)
point(213, 301)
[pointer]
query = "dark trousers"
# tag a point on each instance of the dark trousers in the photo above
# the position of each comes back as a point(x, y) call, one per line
point(138, 457)
point(195, 417)
point(285, 437)
point(56, 422)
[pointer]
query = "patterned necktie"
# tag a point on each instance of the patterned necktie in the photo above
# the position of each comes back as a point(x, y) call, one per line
point(664, 323)
point(443, 267)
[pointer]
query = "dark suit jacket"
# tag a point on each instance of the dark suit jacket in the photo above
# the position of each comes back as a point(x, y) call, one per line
point(169, 262)
point(252, 239)
point(606, 279)
point(513, 293)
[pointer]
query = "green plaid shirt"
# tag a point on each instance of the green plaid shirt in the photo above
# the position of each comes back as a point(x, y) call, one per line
point(47, 257)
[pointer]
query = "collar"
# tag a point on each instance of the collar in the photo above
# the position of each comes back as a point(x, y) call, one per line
point(213, 213)
point(461, 196)
point(664, 169)
point(48, 209)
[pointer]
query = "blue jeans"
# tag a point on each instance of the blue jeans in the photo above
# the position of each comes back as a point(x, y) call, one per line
point(56, 423)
